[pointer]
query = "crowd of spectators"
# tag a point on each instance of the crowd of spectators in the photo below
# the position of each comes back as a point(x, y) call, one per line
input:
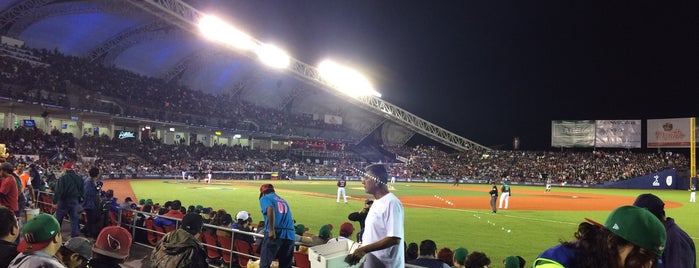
point(152, 157)
point(73, 82)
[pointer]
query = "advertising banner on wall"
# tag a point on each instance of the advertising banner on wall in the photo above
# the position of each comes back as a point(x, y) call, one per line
point(618, 133)
point(671, 133)
point(333, 119)
point(578, 133)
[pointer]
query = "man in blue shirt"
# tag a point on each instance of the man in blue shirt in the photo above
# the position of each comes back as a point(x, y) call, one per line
point(279, 229)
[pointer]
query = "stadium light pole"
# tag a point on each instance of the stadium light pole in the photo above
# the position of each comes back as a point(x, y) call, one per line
point(273, 56)
point(216, 29)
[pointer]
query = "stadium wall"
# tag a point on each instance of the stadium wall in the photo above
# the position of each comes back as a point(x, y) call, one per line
point(667, 179)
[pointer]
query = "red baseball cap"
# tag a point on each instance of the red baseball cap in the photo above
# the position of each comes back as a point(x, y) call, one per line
point(347, 227)
point(113, 241)
point(68, 165)
point(266, 187)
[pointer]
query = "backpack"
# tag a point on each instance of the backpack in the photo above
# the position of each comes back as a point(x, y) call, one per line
point(187, 256)
point(103, 209)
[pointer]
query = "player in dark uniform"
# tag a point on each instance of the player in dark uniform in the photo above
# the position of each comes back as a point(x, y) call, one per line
point(493, 198)
point(341, 189)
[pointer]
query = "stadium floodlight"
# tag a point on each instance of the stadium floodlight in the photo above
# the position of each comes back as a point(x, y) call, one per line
point(216, 29)
point(346, 80)
point(273, 56)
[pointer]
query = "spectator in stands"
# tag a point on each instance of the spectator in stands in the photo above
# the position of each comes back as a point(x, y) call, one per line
point(41, 239)
point(21, 199)
point(127, 203)
point(446, 255)
point(9, 231)
point(346, 230)
point(384, 225)
point(411, 252)
point(428, 258)
point(111, 249)
point(300, 229)
point(162, 221)
point(75, 252)
point(181, 248)
point(511, 262)
point(175, 210)
point(223, 220)
point(679, 249)
point(478, 260)
point(68, 195)
point(460, 254)
point(630, 237)
point(27, 189)
point(360, 216)
point(8, 188)
point(324, 234)
point(92, 202)
point(260, 230)
point(279, 229)
point(245, 226)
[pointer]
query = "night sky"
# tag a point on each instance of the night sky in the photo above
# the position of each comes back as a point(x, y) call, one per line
point(493, 70)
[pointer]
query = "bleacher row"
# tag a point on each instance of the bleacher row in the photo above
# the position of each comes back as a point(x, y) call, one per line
point(229, 251)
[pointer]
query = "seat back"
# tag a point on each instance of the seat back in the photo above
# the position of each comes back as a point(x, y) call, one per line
point(245, 248)
point(152, 236)
point(210, 240)
point(302, 260)
point(225, 242)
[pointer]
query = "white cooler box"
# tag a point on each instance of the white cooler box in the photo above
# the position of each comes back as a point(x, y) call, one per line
point(332, 255)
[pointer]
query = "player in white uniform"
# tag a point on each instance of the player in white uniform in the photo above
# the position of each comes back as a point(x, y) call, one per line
point(208, 176)
point(693, 194)
point(505, 196)
point(548, 185)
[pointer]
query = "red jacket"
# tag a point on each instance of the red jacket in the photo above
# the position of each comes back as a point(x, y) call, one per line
point(9, 194)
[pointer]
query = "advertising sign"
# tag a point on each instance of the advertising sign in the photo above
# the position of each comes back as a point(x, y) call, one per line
point(579, 133)
point(618, 133)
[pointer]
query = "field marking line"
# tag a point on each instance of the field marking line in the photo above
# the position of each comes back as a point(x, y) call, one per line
point(499, 215)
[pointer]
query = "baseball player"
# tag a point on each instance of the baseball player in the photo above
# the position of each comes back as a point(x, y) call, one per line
point(341, 189)
point(493, 198)
point(505, 196)
point(693, 194)
point(208, 176)
point(548, 185)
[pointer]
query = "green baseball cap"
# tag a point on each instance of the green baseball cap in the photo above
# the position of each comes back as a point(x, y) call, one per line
point(638, 226)
point(324, 231)
point(149, 201)
point(460, 255)
point(38, 232)
point(511, 262)
point(300, 229)
point(141, 201)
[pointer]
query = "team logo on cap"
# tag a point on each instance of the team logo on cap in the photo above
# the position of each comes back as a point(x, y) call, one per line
point(113, 242)
point(615, 227)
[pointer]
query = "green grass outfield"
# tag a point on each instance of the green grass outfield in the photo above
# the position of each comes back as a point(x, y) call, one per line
point(313, 204)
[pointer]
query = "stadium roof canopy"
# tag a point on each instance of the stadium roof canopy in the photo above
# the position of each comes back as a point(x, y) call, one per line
point(117, 33)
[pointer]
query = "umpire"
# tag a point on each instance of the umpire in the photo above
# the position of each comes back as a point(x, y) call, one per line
point(494, 198)
point(68, 196)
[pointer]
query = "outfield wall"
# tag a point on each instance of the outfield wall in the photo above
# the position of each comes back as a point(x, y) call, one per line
point(667, 179)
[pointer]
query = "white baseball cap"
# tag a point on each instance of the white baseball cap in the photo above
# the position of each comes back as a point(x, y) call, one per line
point(242, 215)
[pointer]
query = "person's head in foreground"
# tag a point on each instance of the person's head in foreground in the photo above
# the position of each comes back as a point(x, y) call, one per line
point(113, 244)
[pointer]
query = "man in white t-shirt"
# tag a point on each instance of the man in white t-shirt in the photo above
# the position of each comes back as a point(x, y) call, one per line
point(382, 241)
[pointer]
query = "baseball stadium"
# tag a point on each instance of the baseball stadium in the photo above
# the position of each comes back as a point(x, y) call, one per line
point(149, 102)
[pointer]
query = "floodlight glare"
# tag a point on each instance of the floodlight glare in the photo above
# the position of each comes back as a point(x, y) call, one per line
point(273, 56)
point(216, 29)
point(345, 79)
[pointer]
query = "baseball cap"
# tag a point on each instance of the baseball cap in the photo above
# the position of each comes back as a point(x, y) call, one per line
point(80, 245)
point(460, 254)
point(113, 241)
point(369, 202)
point(638, 226)
point(511, 262)
point(347, 227)
point(38, 232)
point(149, 201)
point(141, 201)
point(324, 231)
point(68, 165)
point(7, 167)
point(192, 223)
point(300, 229)
point(128, 199)
point(242, 215)
point(651, 202)
point(198, 208)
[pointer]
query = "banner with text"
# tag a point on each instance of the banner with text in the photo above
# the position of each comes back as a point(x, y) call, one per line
point(333, 119)
point(671, 132)
point(618, 133)
point(579, 133)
